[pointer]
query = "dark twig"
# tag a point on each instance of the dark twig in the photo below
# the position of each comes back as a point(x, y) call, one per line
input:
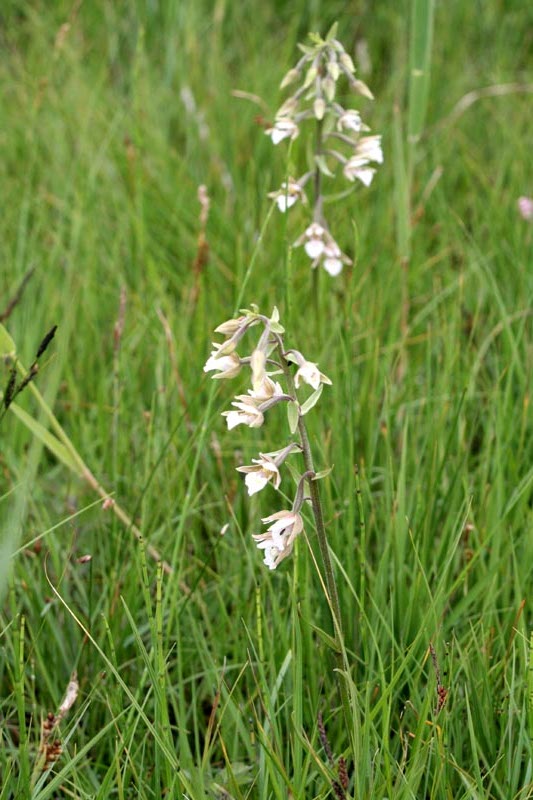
point(13, 389)
point(15, 300)
point(340, 786)
point(442, 692)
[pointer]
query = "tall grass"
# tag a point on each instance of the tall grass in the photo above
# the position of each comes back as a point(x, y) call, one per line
point(208, 682)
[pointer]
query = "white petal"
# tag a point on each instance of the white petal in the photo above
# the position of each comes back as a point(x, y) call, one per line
point(365, 175)
point(211, 363)
point(308, 373)
point(233, 418)
point(224, 363)
point(314, 248)
point(255, 481)
point(277, 528)
point(315, 231)
point(333, 266)
point(269, 559)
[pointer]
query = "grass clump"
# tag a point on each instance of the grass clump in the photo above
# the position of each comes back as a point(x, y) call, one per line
point(216, 677)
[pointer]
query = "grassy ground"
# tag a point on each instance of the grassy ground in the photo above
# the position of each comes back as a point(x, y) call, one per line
point(208, 683)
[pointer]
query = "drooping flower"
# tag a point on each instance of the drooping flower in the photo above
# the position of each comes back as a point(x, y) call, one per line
point(265, 469)
point(368, 149)
point(262, 471)
point(309, 373)
point(283, 128)
point(247, 413)
point(231, 326)
point(320, 246)
point(313, 240)
point(227, 365)
point(288, 194)
point(358, 168)
point(350, 120)
point(278, 540)
point(267, 390)
point(333, 259)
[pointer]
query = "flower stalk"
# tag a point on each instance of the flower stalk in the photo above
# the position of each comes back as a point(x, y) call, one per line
point(284, 526)
point(339, 141)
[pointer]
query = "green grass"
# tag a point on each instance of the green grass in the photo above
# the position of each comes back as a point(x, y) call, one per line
point(207, 683)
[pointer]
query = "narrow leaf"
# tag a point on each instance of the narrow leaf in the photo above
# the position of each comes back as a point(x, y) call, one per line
point(312, 400)
point(293, 416)
point(323, 473)
point(323, 167)
point(48, 439)
point(7, 345)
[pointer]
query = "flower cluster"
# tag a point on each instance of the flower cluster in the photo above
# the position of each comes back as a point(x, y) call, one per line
point(341, 142)
point(268, 360)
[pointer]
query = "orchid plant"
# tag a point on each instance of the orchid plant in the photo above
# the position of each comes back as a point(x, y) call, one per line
point(269, 360)
point(341, 143)
point(278, 375)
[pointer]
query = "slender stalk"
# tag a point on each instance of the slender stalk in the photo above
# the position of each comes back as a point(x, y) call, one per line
point(331, 586)
point(317, 178)
point(362, 548)
point(320, 529)
point(24, 760)
point(318, 217)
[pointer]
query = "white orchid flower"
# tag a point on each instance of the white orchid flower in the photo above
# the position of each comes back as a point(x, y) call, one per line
point(263, 470)
point(279, 539)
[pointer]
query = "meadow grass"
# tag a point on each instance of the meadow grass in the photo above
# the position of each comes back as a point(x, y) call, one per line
point(208, 682)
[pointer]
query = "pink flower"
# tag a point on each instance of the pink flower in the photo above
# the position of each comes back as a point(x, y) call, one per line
point(525, 208)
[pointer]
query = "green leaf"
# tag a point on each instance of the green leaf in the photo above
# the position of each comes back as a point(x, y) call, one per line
point(331, 34)
point(7, 345)
point(312, 400)
point(293, 414)
point(420, 49)
point(326, 638)
point(323, 167)
point(323, 473)
point(48, 439)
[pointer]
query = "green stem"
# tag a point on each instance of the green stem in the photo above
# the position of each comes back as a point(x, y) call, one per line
point(317, 180)
point(322, 536)
point(362, 547)
point(331, 586)
point(318, 217)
